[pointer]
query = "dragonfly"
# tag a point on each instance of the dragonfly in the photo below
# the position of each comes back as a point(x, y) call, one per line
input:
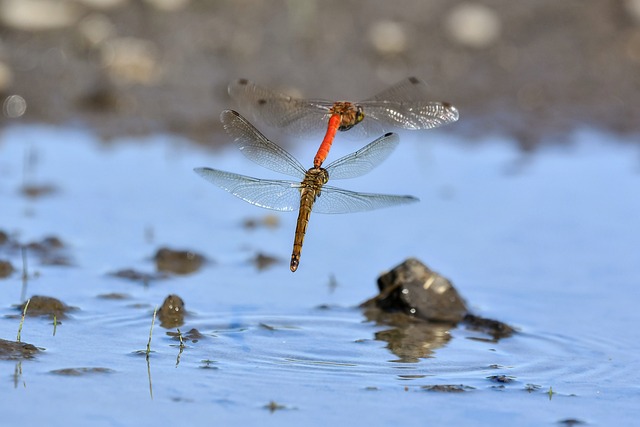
point(309, 191)
point(401, 106)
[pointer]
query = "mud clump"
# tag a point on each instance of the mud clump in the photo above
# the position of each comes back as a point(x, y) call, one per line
point(6, 269)
point(422, 307)
point(46, 306)
point(51, 250)
point(172, 312)
point(4, 238)
point(15, 350)
point(178, 262)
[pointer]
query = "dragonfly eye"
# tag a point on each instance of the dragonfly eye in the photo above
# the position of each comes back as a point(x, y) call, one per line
point(359, 114)
point(351, 118)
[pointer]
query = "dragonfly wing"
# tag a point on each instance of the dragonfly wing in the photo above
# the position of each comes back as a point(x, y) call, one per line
point(269, 194)
point(409, 89)
point(336, 200)
point(405, 106)
point(412, 115)
point(362, 161)
point(255, 146)
point(297, 116)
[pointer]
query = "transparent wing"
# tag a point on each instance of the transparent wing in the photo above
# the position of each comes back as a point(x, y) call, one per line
point(362, 161)
point(412, 115)
point(296, 116)
point(404, 105)
point(269, 194)
point(258, 148)
point(409, 89)
point(336, 200)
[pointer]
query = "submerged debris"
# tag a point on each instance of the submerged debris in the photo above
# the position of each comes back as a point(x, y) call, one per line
point(51, 250)
point(192, 335)
point(447, 388)
point(267, 221)
point(46, 306)
point(137, 276)
point(15, 350)
point(76, 372)
point(264, 261)
point(274, 406)
point(37, 190)
point(172, 312)
point(422, 306)
point(178, 262)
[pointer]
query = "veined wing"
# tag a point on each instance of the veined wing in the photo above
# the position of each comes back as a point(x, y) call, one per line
point(336, 200)
point(405, 106)
point(255, 146)
point(266, 193)
point(297, 116)
point(412, 115)
point(362, 161)
point(409, 89)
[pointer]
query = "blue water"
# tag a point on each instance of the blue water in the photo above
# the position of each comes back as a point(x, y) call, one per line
point(547, 242)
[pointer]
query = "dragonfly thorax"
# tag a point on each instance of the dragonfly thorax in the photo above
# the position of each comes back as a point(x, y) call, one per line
point(316, 177)
point(350, 114)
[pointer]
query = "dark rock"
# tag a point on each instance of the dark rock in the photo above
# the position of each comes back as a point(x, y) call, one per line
point(172, 312)
point(422, 307)
point(414, 289)
point(178, 262)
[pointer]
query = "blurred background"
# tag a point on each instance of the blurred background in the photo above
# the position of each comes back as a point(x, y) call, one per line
point(531, 70)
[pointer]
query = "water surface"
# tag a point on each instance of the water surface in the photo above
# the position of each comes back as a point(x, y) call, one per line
point(547, 242)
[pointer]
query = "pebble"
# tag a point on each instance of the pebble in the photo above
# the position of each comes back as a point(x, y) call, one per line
point(38, 15)
point(131, 60)
point(388, 37)
point(473, 25)
point(96, 28)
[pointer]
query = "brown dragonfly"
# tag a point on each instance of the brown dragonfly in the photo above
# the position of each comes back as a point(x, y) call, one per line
point(309, 192)
point(402, 106)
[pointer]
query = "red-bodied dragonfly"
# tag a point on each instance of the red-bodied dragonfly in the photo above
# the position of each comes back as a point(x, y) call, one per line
point(402, 106)
point(310, 191)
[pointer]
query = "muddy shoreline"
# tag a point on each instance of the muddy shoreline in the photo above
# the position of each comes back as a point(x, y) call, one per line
point(534, 71)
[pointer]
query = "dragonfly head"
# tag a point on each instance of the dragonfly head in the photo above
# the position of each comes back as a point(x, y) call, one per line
point(350, 114)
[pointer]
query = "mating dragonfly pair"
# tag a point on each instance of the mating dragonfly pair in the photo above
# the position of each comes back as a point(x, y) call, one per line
point(402, 106)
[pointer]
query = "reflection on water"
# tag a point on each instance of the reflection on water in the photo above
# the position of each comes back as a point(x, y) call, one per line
point(414, 341)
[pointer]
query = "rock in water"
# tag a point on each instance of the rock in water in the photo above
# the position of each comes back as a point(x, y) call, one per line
point(414, 289)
